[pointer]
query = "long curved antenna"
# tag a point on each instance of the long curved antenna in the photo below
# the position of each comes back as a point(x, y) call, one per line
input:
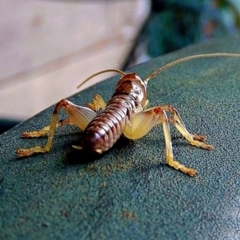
point(207, 55)
point(104, 71)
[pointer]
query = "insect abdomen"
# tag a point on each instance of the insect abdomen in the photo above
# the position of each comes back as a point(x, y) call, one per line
point(106, 128)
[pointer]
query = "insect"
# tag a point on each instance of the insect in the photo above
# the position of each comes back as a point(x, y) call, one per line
point(125, 113)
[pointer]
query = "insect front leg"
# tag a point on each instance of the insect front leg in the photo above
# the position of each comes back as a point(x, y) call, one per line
point(143, 122)
point(97, 103)
point(44, 131)
point(78, 115)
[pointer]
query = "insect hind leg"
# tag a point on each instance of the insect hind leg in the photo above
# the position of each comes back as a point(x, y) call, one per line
point(78, 115)
point(143, 122)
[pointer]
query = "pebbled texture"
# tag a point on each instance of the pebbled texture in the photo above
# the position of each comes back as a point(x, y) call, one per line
point(129, 192)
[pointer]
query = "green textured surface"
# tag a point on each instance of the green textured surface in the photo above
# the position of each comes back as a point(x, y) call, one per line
point(129, 192)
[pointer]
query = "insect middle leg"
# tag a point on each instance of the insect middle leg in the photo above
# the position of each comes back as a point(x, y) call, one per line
point(78, 115)
point(144, 121)
point(176, 120)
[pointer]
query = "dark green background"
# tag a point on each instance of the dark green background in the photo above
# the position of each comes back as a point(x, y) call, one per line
point(129, 193)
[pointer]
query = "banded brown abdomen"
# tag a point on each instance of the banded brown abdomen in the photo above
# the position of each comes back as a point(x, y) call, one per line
point(107, 127)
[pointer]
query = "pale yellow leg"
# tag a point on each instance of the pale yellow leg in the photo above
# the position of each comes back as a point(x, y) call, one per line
point(193, 139)
point(97, 103)
point(44, 131)
point(143, 122)
point(78, 115)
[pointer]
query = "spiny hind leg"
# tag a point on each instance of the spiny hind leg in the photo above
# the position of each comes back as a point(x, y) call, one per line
point(143, 122)
point(78, 115)
point(193, 139)
point(97, 103)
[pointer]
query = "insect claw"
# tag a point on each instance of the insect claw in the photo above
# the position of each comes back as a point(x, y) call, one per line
point(209, 147)
point(22, 152)
point(189, 171)
point(25, 135)
point(200, 138)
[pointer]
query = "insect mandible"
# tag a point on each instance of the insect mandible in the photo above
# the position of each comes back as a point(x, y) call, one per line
point(125, 113)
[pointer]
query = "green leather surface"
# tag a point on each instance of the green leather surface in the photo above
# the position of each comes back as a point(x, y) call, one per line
point(129, 193)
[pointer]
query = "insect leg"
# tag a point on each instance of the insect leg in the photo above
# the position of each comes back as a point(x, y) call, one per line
point(193, 139)
point(143, 122)
point(78, 115)
point(45, 130)
point(97, 103)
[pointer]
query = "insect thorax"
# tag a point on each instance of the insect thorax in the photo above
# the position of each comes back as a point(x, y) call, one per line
point(134, 87)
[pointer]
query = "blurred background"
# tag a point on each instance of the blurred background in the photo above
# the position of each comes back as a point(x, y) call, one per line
point(47, 48)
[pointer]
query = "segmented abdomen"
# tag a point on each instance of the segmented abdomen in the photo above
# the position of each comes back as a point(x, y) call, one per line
point(106, 128)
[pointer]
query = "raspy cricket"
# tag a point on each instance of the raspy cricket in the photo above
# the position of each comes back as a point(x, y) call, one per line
point(126, 113)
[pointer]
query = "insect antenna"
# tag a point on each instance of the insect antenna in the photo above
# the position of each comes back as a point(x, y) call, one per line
point(98, 73)
point(185, 59)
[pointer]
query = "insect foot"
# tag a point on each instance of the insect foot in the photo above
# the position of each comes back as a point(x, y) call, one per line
point(23, 152)
point(189, 171)
point(178, 166)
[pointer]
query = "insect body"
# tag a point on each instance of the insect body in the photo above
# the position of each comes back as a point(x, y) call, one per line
point(126, 113)
point(106, 128)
